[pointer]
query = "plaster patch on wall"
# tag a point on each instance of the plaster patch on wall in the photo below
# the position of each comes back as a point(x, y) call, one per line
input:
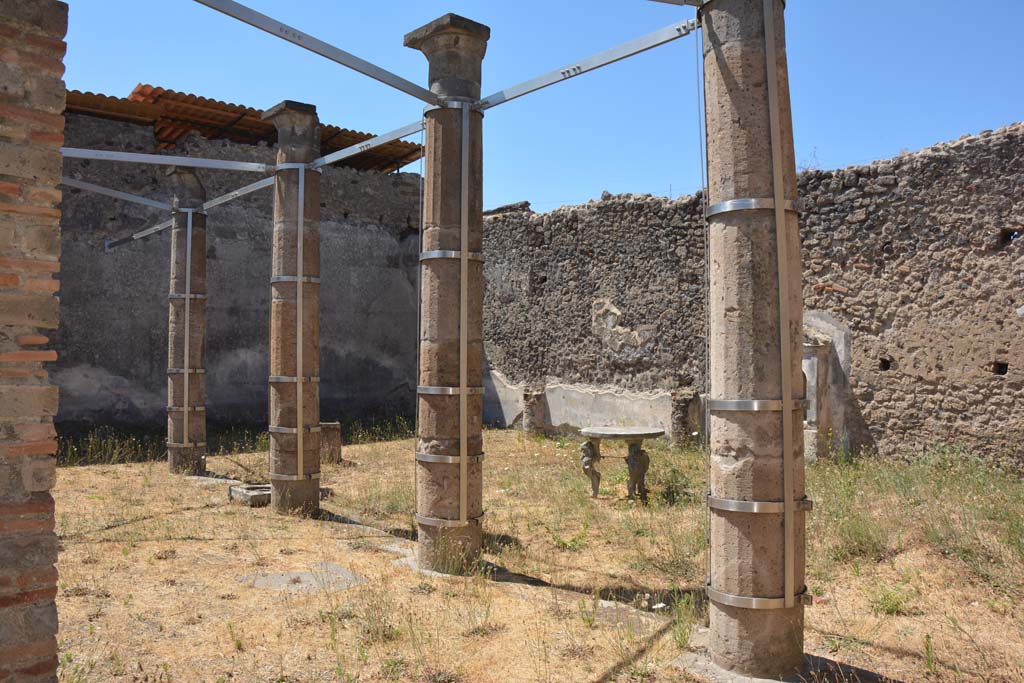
point(623, 341)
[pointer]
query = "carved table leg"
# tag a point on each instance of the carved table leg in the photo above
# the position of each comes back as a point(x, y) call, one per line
point(590, 455)
point(638, 461)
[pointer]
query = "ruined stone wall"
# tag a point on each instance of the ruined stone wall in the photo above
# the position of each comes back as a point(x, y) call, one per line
point(916, 256)
point(31, 132)
point(113, 336)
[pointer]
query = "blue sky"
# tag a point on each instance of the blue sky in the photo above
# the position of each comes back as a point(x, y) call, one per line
point(869, 78)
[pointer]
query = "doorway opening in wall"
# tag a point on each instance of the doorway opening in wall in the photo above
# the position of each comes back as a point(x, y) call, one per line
point(999, 367)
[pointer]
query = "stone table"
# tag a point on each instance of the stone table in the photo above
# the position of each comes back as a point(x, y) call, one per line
point(637, 461)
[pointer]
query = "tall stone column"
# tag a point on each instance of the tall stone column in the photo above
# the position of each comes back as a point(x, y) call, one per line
point(294, 338)
point(186, 328)
point(760, 637)
point(449, 471)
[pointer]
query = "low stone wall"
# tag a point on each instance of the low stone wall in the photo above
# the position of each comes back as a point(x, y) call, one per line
point(113, 336)
point(915, 257)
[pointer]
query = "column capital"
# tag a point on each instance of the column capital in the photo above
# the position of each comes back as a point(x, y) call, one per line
point(455, 48)
point(298, 131)
point(189, 192)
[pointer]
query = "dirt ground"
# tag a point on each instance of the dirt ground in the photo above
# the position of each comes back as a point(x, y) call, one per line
point(162, 579)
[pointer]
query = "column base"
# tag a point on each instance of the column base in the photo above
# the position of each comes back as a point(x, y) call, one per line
point(186, 461)
point(295, 497)
point(449, 550)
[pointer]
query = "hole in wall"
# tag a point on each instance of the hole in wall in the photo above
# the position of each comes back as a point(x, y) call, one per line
point(998, 367)
point(1007, 236)
point(885, 364)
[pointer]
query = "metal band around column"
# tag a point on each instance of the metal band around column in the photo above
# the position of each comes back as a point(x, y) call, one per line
point(757, 507)
point(286, 378)
point(294, 477)
point(746, 602)
point(292, 430)
point(748, 204)
point(447, 523)
point(291, 278)
point(447, 254)
point(184, 371)
point(782, 257)
point(194, 297)
point(187, 444)
point(752, 405)
point(449, 391)
point(447, 459)
point(185, 409)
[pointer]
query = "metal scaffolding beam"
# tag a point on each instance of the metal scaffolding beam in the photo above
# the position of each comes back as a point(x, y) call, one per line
point(615, 54)
point(317, 46)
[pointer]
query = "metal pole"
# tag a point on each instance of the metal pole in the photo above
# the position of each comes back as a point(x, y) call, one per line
point(187, 363)
point(464, 320)
point(300, 420)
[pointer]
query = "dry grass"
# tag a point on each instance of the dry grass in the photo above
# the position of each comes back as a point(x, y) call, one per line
point(924, 563)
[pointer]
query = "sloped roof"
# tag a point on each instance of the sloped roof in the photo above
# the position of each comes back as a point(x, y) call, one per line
point(173, 115)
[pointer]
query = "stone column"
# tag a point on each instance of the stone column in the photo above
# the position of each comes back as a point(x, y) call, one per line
point(454, 47)
point(186, 328)
point(747, 548)
point(295, 470)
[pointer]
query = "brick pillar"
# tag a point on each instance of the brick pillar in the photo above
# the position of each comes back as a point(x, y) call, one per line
point(186, 328)
point(31, 133)
point(455, 49)
point(295, 479)
point(761, 637)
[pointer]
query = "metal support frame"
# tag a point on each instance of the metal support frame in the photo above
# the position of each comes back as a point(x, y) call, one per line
point(217, 201)
point(366, 145)
point(164, 160)
point(449, 391)
point(782, 255)
point(615, 54)
point(446, 523)
point(304, 40)
point(116, 194)
point(186, 362)
point(464, 319)
point(746, 602)
point(756, 507)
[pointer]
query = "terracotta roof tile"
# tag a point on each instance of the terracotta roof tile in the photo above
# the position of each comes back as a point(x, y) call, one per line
point(173, 115)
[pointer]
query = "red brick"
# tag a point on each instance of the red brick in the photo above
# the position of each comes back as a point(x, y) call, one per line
point(9, 280)
point(40, 505)
point(22, 525)
point(16, 373)
point(37, 63)
point(46, 665)
point(45, 138)
point(38, 577)
point(10, 189)
point(33, 448)
point(28, 356)
point(25, 652)
point(32, 339)
point(28, 596)
point(54, 46)
point(39, 118)
point(30, 264)
point(29, 210)
point(36, 285)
